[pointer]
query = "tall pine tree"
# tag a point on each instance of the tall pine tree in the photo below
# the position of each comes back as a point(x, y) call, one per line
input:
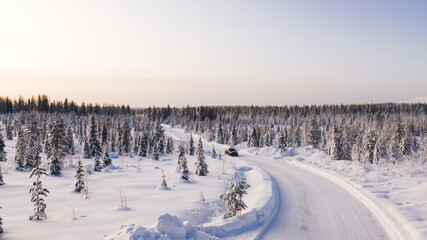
point(80, 177)
point(58, 146)
point(2, 146)
point(94, 147)
point(38, 191)
point(314, 134)
point(369, 142)
point(21, 148)
point(233, 197)
point(201, 166)
point(191, 145)
point(32, 132)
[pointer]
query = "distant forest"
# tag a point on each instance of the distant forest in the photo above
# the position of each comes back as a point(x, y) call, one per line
point(369, 133)
point(43, 104)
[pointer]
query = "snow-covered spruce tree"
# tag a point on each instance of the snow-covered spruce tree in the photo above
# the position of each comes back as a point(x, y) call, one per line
point(155, 154)
point(234, 139)
point(46, 143)
point(254, 137)
point(369, 141)
point(281, 141)
point(80, 177)
point(150, 148)
point(380, 150)
point(169, 145)
point(142, 150)
point(233, 197)
point(297, 137)
point(314, 134)
point(158, 132)
point(1, 178)
point(185, 173)
point(86, 150)
point(397, 134)
point(349, 135)
point(180, 153)
point(119, 139)
point(97, 165)
point(335, 143)
point(267, 141)
point(104, 135)
point(106, 157)
point(201, 166)
point(9, 128)
point(163, 184)
point(213, 153)
point(135, 143)
point(161, 145)
point(32, 133)
point(219, 134)
point(356, 151)
point(58, 146)
point(406, 144)
point(126, 138)
point(191, 145)
point(93, 139)
point(38, 191)
point(2, 146)
point(21, 148)
point(70, 141)
point(113, 145)
point(182, 161)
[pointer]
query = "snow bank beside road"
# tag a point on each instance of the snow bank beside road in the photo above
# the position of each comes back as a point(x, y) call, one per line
point(262, 204)
point(262, 201)
point(396, 196)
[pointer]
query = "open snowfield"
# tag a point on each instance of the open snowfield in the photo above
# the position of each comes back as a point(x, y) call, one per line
point(73, 216)
point(295, 194)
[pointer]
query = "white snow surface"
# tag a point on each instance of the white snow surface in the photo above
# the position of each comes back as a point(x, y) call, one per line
point(294, 194)
point(177, 209)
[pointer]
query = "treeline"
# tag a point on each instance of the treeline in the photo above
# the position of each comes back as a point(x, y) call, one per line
point(43, 104)
point(369, 133)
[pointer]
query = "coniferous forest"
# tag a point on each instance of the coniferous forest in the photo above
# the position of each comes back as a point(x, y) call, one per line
point(369, 133)
point(383, 135)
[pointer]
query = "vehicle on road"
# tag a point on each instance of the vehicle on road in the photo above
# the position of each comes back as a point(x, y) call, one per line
point(231, 151)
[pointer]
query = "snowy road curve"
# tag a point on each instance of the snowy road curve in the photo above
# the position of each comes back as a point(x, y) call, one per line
point(313, 207)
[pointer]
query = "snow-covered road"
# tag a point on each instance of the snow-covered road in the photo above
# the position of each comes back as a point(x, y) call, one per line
point(312, 207)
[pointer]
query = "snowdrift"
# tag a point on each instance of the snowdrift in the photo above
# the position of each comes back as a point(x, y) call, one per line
point(262, 204)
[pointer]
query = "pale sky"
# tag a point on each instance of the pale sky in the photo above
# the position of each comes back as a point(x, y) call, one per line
point(226, 52)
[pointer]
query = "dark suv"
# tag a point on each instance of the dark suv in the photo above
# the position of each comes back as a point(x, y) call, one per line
point(231, 152)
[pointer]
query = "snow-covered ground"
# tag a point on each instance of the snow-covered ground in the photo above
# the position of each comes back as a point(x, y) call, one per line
point(295, 194)
point(396, 196)
point(151, 211)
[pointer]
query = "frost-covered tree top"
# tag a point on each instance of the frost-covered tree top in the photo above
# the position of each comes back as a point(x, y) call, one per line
point(233, 197)
point(201, 166)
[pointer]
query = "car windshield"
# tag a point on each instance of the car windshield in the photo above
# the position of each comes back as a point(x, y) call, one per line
point(232, 149)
